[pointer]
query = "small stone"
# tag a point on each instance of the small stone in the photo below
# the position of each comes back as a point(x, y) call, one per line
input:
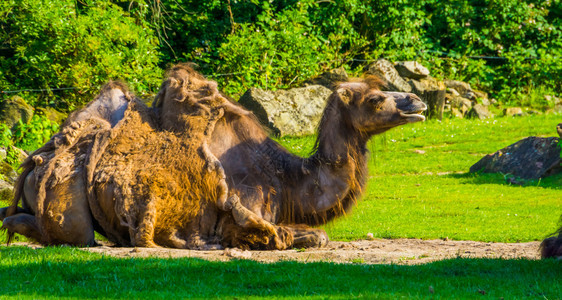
point(370, 236)
point(237, 253)
point(513, 112)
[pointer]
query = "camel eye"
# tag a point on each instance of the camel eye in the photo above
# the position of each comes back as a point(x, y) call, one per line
point(376, 101)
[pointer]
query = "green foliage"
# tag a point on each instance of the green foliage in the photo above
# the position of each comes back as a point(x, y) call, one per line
point(277, 50)
point(50, 44)
point(34, 134)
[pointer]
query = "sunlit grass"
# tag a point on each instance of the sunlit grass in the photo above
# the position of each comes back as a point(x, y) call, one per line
point(69, 272)
point(420, 186)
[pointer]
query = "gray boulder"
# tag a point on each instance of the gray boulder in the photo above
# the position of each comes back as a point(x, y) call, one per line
point(462, 88)
point(479, 111)
point(530, 158)
point(7, 173)
point(392, 80)
point(557, 105)
point(432, 92)
point(52, 114)
point(288, 112)
point(411, 69)
point(14, 109)
point(6, 190)
point(329, 79)
point(460, 106)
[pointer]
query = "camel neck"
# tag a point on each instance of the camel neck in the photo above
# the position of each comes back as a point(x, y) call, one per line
point(336, 176)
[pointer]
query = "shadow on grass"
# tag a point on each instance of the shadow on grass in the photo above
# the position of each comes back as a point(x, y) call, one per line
point(70, 272)
point(551, 182)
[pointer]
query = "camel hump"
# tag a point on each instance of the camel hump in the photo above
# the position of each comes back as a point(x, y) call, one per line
point(109, 105)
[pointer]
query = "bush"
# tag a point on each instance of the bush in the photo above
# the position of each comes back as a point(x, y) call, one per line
point(63, 43)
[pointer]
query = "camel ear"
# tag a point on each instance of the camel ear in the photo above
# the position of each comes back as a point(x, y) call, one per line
point(345, 95)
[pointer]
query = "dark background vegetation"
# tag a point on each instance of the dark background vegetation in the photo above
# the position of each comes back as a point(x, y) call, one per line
point(509, 48)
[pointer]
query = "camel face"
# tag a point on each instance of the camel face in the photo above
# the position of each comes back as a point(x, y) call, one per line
point(373, 111)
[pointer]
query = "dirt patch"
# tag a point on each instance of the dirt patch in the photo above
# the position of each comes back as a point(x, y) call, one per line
point(397, 251)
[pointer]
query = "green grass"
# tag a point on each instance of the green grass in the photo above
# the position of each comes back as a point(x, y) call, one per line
point(68, 272)
point(432, 195)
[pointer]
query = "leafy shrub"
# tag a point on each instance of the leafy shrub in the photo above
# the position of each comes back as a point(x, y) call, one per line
point(277, 50)
point(34, 134)
point(64, 43)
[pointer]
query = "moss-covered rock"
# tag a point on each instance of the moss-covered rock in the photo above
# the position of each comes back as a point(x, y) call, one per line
point(14, 109)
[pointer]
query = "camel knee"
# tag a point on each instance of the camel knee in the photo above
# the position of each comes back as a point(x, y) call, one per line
point(24, 224)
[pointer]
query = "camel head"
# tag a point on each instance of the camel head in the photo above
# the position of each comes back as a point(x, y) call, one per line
point(366, 109)
point(186, 92)
point(185, 89)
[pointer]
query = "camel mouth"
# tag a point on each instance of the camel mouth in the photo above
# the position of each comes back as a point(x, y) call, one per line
point(412, 117)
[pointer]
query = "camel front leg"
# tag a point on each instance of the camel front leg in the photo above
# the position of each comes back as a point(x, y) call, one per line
point(307, 237)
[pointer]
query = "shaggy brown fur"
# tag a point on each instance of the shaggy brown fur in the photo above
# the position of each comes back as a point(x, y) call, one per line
point(198, 169)
point(60, 161)
point(552, 246)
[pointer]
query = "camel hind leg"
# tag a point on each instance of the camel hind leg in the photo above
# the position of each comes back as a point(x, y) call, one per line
point(24, 224)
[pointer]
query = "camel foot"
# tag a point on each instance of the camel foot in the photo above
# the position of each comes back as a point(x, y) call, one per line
point(24, 224)
point(248, 219)
point(306, 237)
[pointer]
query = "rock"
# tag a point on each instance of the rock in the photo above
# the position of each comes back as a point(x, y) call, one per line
point(452, 92)
point(432, 92)
point(479, 111)
point(6, 190)
point(411, 69)
point(462, 105)
point(462, 88)
point(52, 114)
point(533, 112)
point(288, 112)
point(7, 173)
point(482, 97)
point(530, 158)
point(513, 112)
point(386, 71)
point(557, 106)
point(14, 109)
point(22, 155)
point(329, 79)
point(237, 253)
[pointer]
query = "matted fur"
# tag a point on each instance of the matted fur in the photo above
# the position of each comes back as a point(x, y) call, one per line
point(167, 189)
point(64, 155)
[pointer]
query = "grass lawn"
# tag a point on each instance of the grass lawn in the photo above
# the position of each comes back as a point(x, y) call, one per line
point(68, 272)
point(417, 194)
point(420, 186)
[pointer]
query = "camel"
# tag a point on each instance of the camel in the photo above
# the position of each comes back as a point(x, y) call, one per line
point(198, 171)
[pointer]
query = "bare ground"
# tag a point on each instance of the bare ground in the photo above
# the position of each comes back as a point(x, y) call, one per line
point(397, 251)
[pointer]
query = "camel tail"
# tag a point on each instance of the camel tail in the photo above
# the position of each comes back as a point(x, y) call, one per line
point(28, 165)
